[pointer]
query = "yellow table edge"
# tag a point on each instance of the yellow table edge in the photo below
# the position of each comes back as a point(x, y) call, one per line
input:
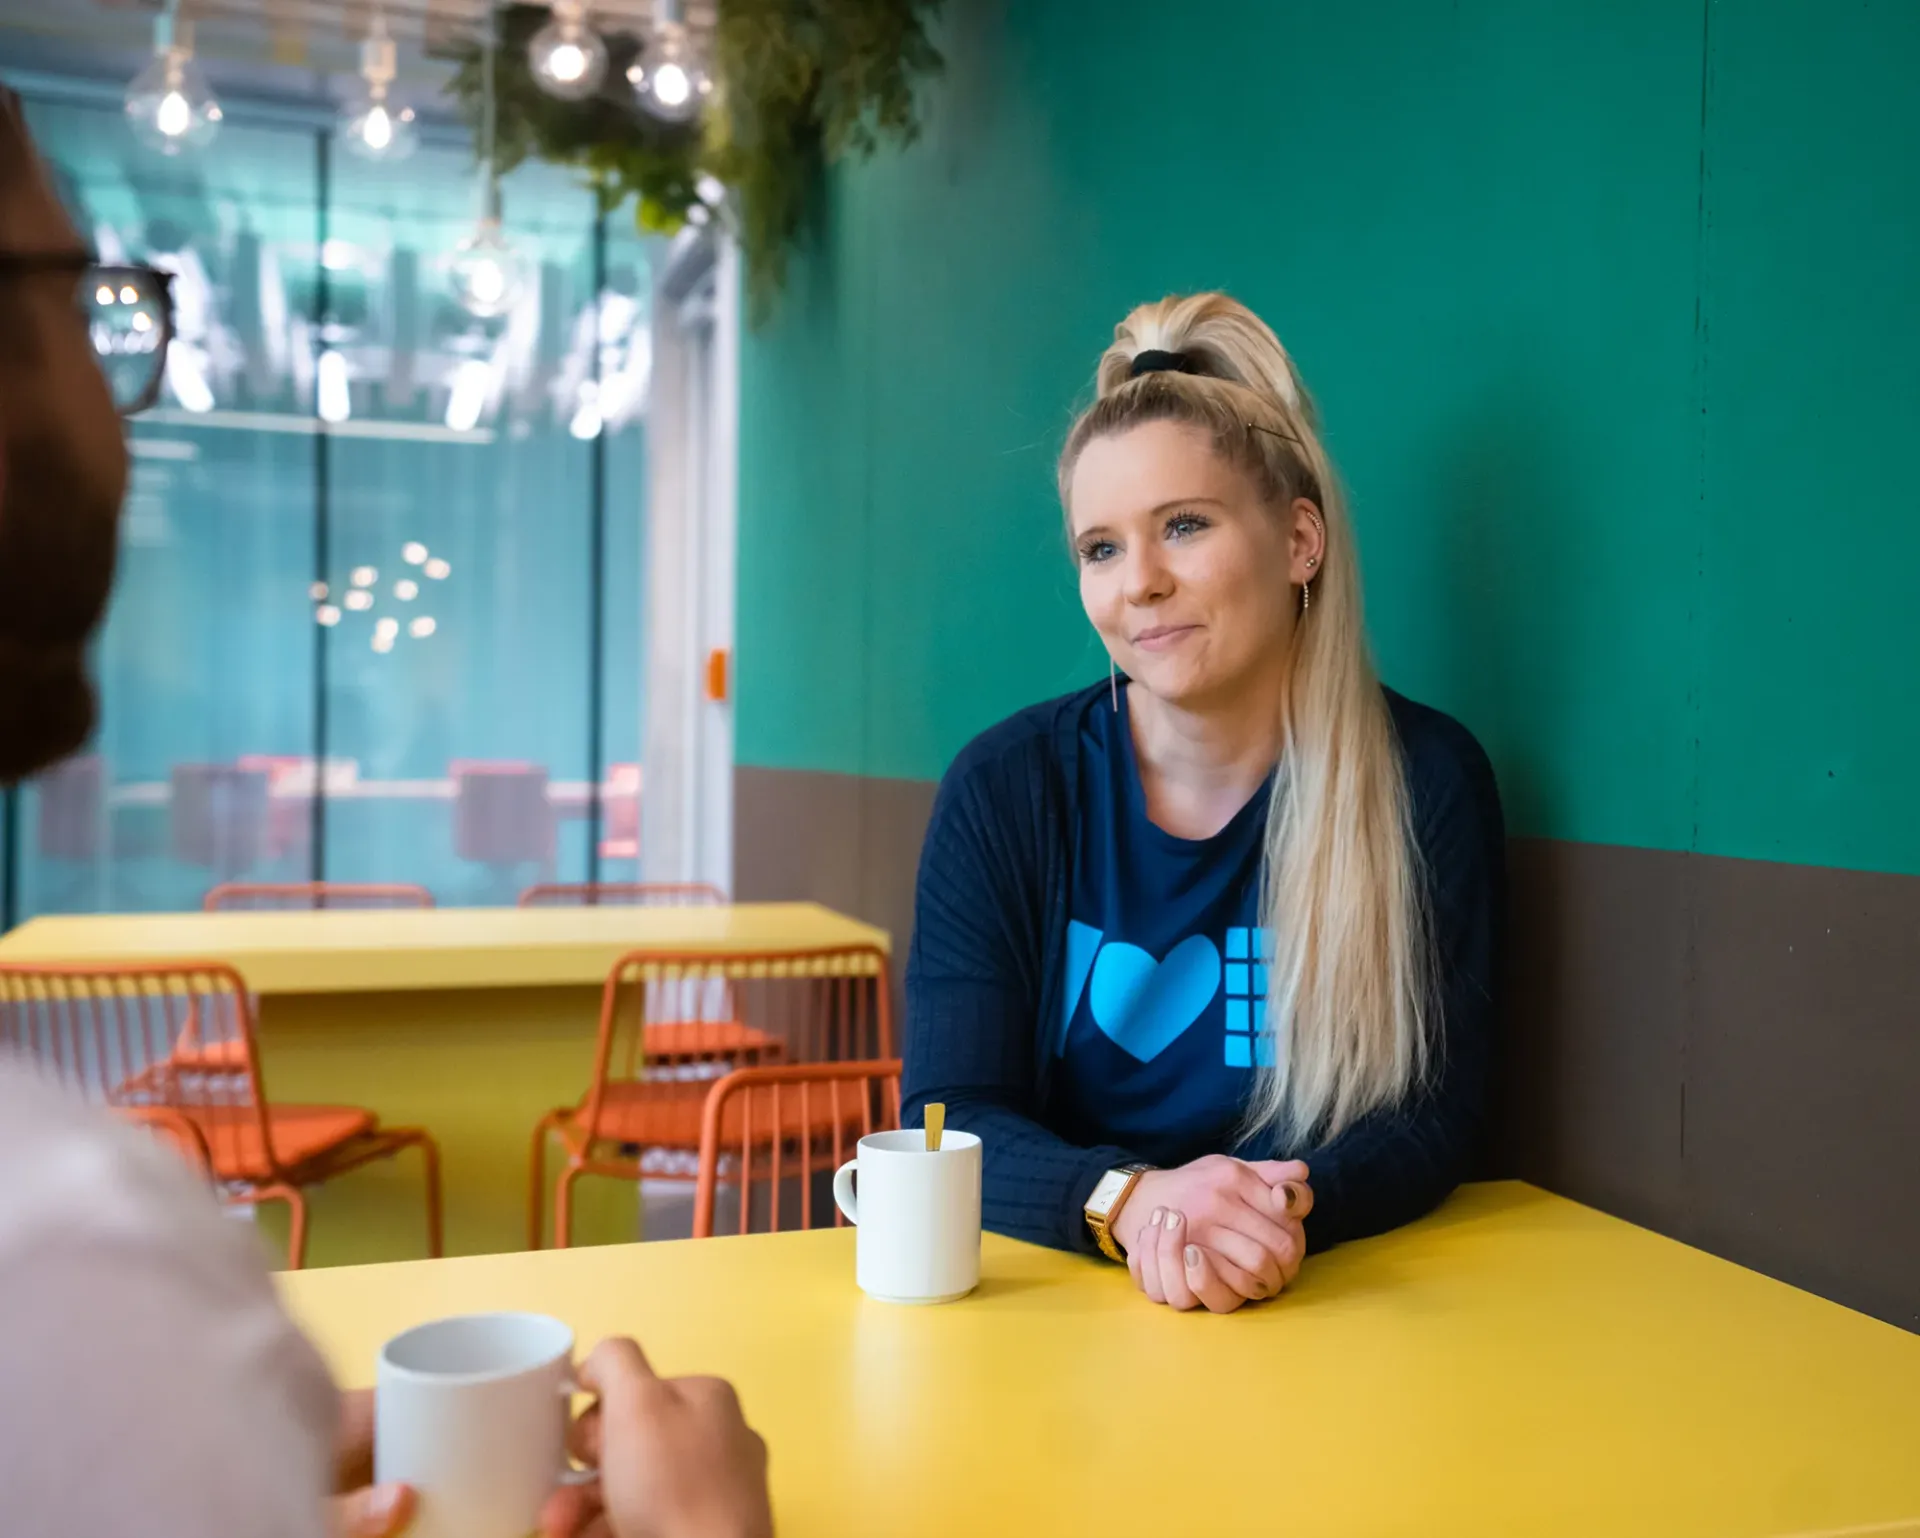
point(434, 948)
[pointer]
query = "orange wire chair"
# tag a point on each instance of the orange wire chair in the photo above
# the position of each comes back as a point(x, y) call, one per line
point(627, 894)
point(183, 1135)
point(663, 1041)
point(296, 896)
point(753, 1134)
point(673, 1023)
point(111, 1032)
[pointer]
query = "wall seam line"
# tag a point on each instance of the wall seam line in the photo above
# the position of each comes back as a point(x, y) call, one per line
point(1702, 340)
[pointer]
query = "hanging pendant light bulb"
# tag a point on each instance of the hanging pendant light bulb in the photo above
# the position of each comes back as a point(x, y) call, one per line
point(486, 272)
point(669, 78)
point(168, 102)
point(371, 124)
point(567, 56)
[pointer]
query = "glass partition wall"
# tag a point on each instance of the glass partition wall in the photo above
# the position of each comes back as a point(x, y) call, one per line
point(377, 611)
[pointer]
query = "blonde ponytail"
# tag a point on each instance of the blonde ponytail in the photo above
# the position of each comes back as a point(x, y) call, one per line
point(1351, 971)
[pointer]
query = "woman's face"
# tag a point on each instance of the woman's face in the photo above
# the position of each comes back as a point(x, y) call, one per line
point(1185, 572)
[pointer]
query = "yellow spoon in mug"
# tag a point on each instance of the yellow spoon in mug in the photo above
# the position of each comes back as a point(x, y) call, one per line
point(936, 1124)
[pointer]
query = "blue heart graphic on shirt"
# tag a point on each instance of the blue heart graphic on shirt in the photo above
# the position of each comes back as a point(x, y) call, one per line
point(1083, 944)
point(1142, 1005)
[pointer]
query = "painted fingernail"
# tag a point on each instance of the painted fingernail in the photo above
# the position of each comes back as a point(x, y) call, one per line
point(1289, 1195)
point(1173, 1220)
point(1193, 1257)
point(1159, 1213)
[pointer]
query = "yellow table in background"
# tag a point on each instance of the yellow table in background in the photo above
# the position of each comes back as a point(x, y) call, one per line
point(471, 1022)
point(1513, 1365)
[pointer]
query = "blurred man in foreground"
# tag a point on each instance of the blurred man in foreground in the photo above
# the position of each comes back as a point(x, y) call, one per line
point(153, 1384)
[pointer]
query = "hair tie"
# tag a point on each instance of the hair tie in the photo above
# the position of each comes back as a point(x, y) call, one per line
point(1153, 361)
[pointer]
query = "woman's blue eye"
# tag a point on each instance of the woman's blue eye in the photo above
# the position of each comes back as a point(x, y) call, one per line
point(1183, 524)
point(1096, 550)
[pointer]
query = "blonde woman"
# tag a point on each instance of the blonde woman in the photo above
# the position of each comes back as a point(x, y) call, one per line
point(1205, 954)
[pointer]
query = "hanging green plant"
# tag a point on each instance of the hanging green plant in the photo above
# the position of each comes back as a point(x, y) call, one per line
point(801, 83)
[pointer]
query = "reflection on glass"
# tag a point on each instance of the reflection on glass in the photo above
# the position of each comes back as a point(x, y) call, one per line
point(129, 321)
point(451, 747)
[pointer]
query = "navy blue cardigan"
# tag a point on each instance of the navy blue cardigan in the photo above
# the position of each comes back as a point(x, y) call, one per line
point(985, 970)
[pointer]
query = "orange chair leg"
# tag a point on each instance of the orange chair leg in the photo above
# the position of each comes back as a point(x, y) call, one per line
point(296, 1229)
point(537, 1183)
point(563, 1206)
point(296, 1219)
point(436, 1237)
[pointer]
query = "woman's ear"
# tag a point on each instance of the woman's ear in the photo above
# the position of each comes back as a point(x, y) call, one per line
point(1307, 549)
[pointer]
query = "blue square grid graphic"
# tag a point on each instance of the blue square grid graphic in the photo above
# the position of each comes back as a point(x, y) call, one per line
point(1246, 991)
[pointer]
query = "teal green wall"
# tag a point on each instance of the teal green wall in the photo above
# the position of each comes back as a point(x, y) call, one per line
point(1612, 312)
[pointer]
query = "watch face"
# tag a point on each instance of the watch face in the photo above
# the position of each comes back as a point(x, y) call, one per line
point(1104, 1194)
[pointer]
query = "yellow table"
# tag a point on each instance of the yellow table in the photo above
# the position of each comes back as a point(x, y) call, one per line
point(471, 1022)
point(1515, 1364)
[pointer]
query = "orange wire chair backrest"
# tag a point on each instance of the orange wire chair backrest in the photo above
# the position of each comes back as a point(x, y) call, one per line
point(625, 894)
point(700, 1014)
point(299, 896)
point(766, 1127)
point(111, 1033)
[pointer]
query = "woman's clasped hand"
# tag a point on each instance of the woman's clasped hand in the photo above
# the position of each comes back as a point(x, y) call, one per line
point(1218, 1232)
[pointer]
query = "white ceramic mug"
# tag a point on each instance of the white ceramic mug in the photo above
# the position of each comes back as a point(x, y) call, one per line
point(472, 1412)
point(918, 1214)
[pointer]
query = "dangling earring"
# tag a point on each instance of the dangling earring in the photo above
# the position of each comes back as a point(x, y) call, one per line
point(1113, 684)
point(1306, 588)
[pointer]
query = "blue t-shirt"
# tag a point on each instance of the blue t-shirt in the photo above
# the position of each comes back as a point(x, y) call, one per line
point(1164, 1009)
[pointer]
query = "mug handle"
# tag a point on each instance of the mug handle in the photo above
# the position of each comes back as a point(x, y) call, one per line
point(843, 1196)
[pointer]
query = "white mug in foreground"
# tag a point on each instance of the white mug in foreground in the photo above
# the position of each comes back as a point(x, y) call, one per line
point(918, 1214)
point(472, 1412)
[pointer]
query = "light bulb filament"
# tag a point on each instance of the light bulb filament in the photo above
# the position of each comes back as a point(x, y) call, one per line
point(175, 115)
point(487, 282)
point(671, 85)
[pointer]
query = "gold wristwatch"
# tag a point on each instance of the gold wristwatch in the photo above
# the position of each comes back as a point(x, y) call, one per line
point(1109, 1196)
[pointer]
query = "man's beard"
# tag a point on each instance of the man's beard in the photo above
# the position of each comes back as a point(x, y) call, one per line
point(46, 707)
point(56, 568)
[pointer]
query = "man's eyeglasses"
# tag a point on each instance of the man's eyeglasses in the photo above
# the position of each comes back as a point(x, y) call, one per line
point(129, 316)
